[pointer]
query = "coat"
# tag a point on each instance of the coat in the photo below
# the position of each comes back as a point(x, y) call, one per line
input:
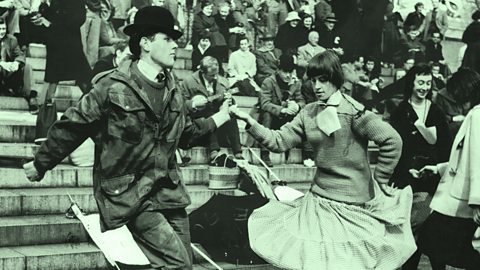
point(202, 23)
point(135, 167)
point(460, 183)
point(307, 52)
point(267, 63)
point(193, 85)
point(451, 108)
point(441, 20)
point(10, 50)
point(288, 38)
point(272, 97)
point(65, 57)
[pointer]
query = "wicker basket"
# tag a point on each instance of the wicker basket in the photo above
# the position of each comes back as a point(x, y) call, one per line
point(223, 178)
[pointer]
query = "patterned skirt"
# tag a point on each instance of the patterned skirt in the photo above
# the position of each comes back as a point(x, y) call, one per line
point(317, 233)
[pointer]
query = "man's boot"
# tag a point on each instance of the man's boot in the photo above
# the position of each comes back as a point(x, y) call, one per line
point(265, 156)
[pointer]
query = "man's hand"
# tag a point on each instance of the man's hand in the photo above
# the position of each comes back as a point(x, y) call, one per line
point(31, 172)
point(239, 114)
point(14, 66)
point(39, 21)
point(293, 106)
point(199, 102)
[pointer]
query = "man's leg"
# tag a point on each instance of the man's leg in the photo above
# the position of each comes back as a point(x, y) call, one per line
point(230, 129)
point(164, 237)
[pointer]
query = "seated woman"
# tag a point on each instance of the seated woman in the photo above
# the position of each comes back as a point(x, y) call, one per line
point(446, 237)
point(348, 219)
point(242, 67)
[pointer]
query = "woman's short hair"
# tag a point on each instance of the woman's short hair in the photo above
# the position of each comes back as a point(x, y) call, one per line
point(240, 38)
point(476, 15)
point(327, 64)
point(464, 86)
point(418, 69)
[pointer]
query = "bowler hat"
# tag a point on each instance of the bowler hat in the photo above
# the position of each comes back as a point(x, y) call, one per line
point(153, 19)
point(267, 36)
point(331, 18)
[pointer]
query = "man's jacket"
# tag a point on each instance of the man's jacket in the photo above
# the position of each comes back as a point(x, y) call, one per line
point(272, 97)
point(135, 167)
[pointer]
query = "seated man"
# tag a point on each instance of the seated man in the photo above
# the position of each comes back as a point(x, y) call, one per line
point(13, 71)
point(206, 83)
point(112, 61)
point(280, 99)
point(307, 52)
point(267, 58)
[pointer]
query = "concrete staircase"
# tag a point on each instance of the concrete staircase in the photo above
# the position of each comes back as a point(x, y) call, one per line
point(34, 232)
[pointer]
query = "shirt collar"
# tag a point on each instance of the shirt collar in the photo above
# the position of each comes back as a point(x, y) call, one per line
point(147, 70)
point(333, 100)
point(202, 51)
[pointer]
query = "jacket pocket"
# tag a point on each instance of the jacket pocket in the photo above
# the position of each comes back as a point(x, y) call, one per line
point(118, 185)
point(127, 118)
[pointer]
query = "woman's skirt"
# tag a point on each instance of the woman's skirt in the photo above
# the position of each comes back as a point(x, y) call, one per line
point(317, 233)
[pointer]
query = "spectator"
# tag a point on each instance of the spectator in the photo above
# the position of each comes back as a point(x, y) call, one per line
point(242, 67)
point(438, 78)
point(65, 57)
point(436, 20)
point(447, 234)
point(453, 100)
point(227, 26)
point(322, 10)
point(111, 61)
point(205, 83)
point(434, 49)
point(415, 19)
point(307, 52)
point(120, 15)
point(90, 30)
point(329, 38)
point(108, 36)
point(280, 99)
point(203, 49)
point(306, 27)
point(268, 58)
point(411, 46)
point(471, 37)
point(392, 32)
point(276, 15)
point(204, 21)
point(289, 36)
point(14, 71)
point(426, 140)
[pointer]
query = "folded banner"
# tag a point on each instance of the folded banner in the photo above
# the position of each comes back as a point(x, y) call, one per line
point(117, 245)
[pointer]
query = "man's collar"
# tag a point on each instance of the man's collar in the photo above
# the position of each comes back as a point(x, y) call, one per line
point(148, 70)
point(202, 51)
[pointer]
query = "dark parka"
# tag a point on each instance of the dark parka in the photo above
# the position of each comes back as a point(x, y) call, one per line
point(135, 167)
point(272, 97)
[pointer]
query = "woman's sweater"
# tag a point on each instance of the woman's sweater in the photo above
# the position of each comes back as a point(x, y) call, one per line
point(343, 171)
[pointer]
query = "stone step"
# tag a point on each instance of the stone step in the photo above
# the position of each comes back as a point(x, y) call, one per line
point(55, 228)
point(70, 176)
point(78, 256)
point(73, 93)
point(45, 201)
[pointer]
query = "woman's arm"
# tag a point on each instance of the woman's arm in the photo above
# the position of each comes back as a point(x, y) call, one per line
point(372, 127)
point(289, 135)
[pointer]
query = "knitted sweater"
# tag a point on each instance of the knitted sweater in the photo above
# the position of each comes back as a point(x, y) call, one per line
point(343, 171)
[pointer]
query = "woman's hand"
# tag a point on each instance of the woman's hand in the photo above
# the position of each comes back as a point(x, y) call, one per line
point(428, 169)
point(387, 190)
point(237, 113)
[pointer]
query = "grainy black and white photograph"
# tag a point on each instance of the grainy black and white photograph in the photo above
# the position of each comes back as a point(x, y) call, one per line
point(239, 134)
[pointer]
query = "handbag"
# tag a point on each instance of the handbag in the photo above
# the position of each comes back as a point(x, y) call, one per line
point(47, 115)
